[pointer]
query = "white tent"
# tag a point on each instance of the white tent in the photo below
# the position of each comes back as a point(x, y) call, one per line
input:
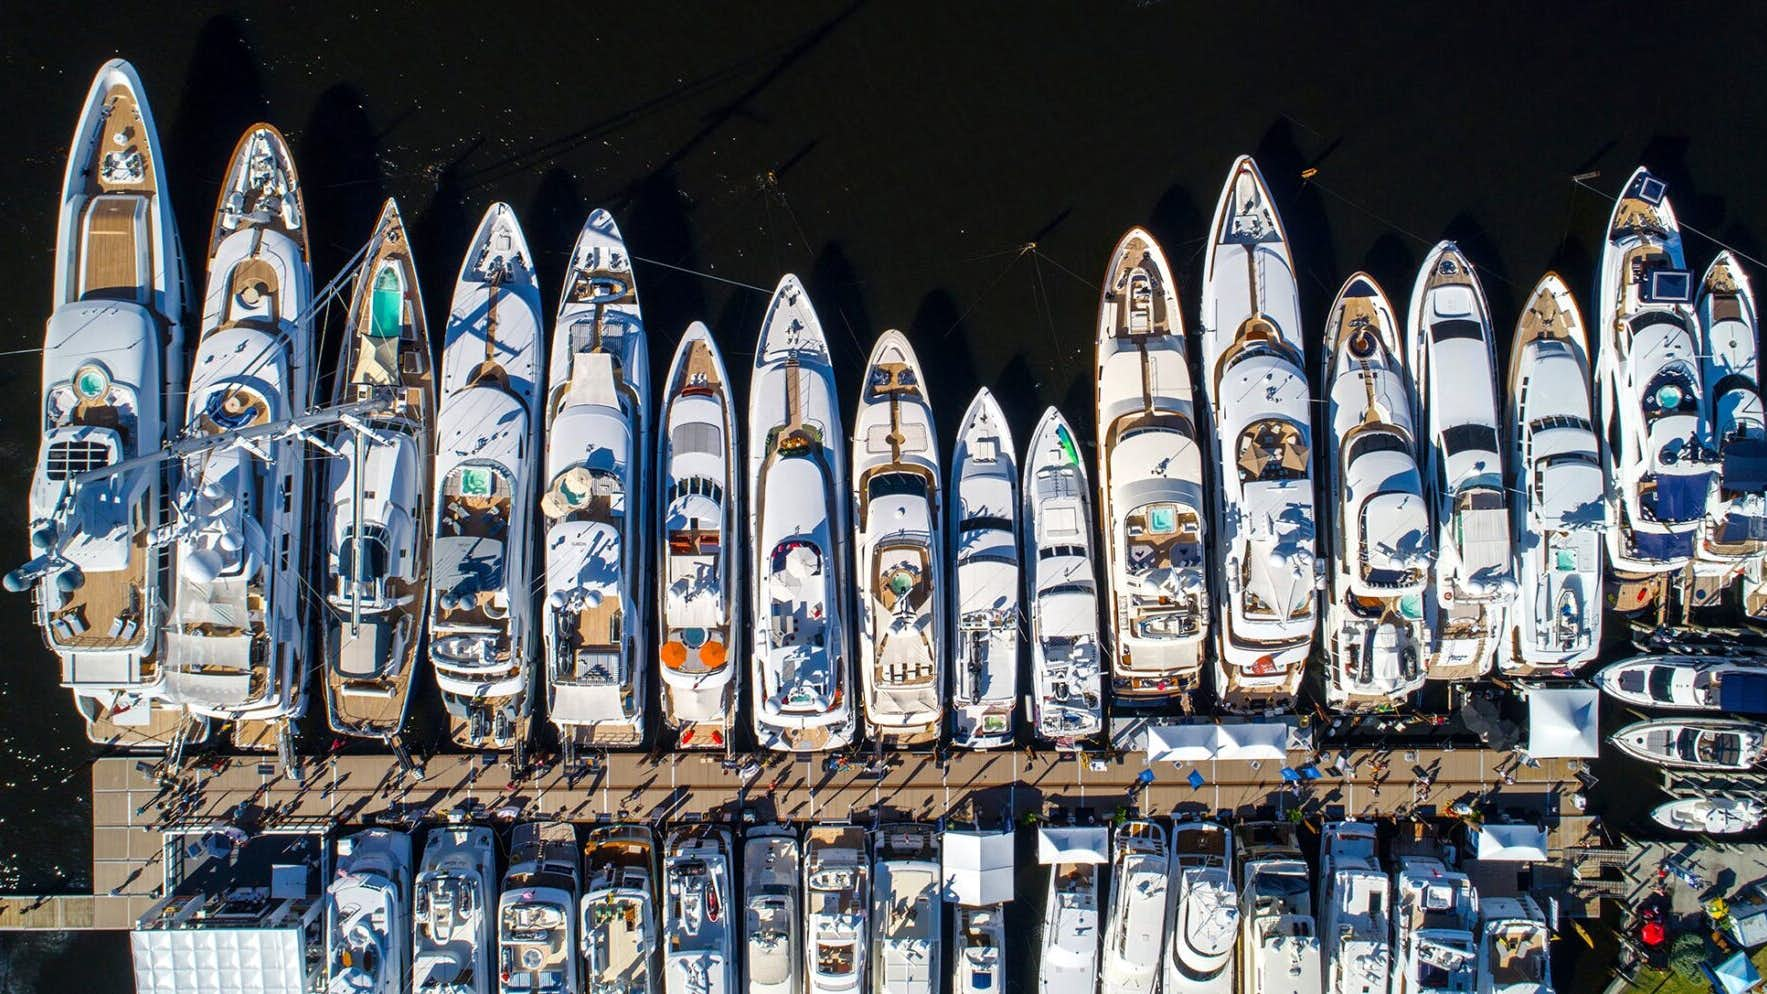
point(1073, 845)
point(1562, 722)
point(978, 867)
point(220, 960)
point(1510, 843)
point(1201, 742)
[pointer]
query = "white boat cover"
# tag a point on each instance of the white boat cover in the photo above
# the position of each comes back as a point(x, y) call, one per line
point(1563, 722)
point(220, 960)
point(978, 867)
point(1073, 845)
point(1510, 843)
point(1202, 741)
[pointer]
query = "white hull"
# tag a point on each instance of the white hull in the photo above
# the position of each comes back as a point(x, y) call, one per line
point(1066, 700)
point(772, 908)
point(1710, 815)
point(454, 901)
point(1695, 743)
point(698, 902)
point(367, 948)
point(1201, 942)
point(983, 535)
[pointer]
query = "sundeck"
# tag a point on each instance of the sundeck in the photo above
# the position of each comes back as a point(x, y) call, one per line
point(1067, 697)
point(985, 552)
point(1514, 947)
point(1435, 922)
point(537, 914)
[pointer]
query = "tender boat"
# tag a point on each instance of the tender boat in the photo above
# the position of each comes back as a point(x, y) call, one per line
point(699, 944)
point(837, 900)
point(907, 902)
point(1150, 482)
point(1558, 491)
point(984, 548)
point(1736, 531)
point(378, 517)
point(1514, 941)
point(1067, 697)
point(1261, 417)
point(481, 637)
point(235, 641)
point(1695, 743)
point(1067, 961)
point(452, 903)
point(1279, 940)
point(113, 385)
point(617, 919)
point(1355, 905)
point(899, 553)
point(1710, 815)
point(1205, 911)
point(1733, 685)
point(366, 907)
point(979, 966)
point(1435, 927)
point(536, 916)
point(1648, 391)
point(798, 531)
point(772, 905)
point(1135, 917)
point(595, 499)
point(1376, 640)
point(699, 545)
point(1451, 352)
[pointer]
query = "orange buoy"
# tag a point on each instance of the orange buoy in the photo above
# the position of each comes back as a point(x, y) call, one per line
point(712, 654)
point(674, 654)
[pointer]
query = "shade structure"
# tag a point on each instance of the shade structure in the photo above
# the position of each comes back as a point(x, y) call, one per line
point(1073, 845)
point(1510, 843)
point(978, 867)
point(1563, 723)
point(219, 961)
point(1204, 741)
point(1735, 975)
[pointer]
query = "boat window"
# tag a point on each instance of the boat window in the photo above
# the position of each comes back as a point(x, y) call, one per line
point(1374, 441)
point(363, 558)
point(1469, 438)
point(898, 485)
point(1452, 328)
point(1662, 682)
point(1054, 551)
point(986, 522)
point(697, 438)
point(1552, 421)
point(1069, 588)
point(69, 459)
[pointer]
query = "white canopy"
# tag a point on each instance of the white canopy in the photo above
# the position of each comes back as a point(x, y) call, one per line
point(219, 961)
point(1562, 722)
point(978, 867)
point(1073, 845)
point(1195, 743)
point(1510, 843)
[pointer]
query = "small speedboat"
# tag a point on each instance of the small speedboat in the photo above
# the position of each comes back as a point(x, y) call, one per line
point(907, 901)
point(1710, 815)
point(1355, 909)
point(1733, 685)
point(837, 906)
point(595, 499)
point(1067, 959)
point(1736, 531)
point(1067, 697)
point(1279, 937)
point(537, 913)
point(366, 907)
point(772, 911)
point(899, 553)
point(617, 919)
point(1435, 927)
point(1514, 947)
point(1205, 911)
point(1135, 916)
point(453, 904)
point(984, 548)
point(699, 954)
point(1695, 743)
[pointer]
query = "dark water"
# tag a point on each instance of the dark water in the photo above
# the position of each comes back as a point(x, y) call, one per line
point(898, 156)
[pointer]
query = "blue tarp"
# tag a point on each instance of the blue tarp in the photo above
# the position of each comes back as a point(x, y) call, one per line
point(1658, 545)
point(1682, 498)
point(1736, 975)
point(1743, 693)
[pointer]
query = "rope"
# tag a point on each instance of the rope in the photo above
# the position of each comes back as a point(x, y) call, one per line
point(1582, 180)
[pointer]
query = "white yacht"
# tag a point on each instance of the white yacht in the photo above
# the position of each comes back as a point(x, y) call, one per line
point(1734, 685)
point(1376, 639)
point(1557, 489)
point(1451, 352)
point(798, 534)
point(536, 916)
point(1261, 417)
point(837, 905)
point(984, 550)
point(1695, 743)
point(1355, 908)
point(698, 941)
point(1710, 815)
point(699, 545)
point(979, 961)
point(1150, 482)
point(377, 526)
point(1066, 702)
point(451, 908)
point(1648, 389)
point(772, 911)
point(1205, 911)
point(617, 919)
point(235, 639)
point(1279, 939)
point(1736, 532)
point(899, 557)
point(1515, 947)
point(595, 499)
point(113, 382)
point(1435, 927)
point(481, 637)
point(366, 946)
point(1135, 917)
point(907, 902)
point(1067, 960)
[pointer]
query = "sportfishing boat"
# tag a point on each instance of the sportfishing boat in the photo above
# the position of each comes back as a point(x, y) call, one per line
point(984, 549)
point(378, 516)
point(1067, 699)
point(698, 942)
point(1648, 390)
point(906, 910)
point(772, 906)
point(1560, 502)
point(1733, 685)
point(536, 916)
point(1260, 410)
point(1135, 917)
point(595, 499)
point(234, 641)
point(1205, 911)
point(1376, 640)
point(1736, 532)
point(481, 637)
point(113, 384)
point(900, 555)
point(1355, 904)
point(1451, 352)
point(837, 901)
point(1435, 928)
point(1067, 960)
point(699, 545)
point(366, 904)
point(1710, 815)
point(798, 531)
point(1279, 942)
point(1695, 743)
point(1150, 482)
point(618, 914)
point(1513, 947)
point(451, 908)
point(980, 966)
